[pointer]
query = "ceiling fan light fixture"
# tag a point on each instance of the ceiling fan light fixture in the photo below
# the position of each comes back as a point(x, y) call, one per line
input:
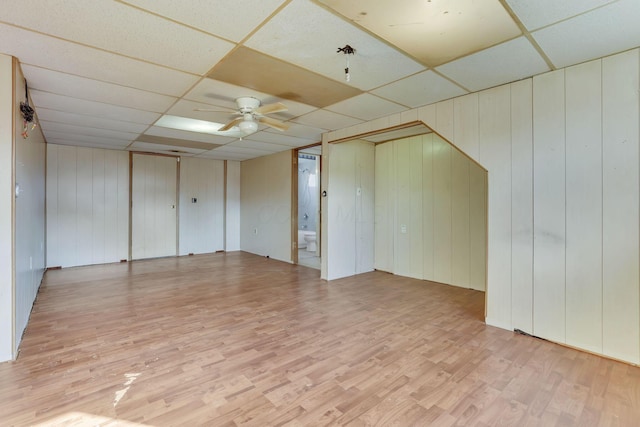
point(248, 126)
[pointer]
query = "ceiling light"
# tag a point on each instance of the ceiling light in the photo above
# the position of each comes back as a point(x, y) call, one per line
point(248, 126)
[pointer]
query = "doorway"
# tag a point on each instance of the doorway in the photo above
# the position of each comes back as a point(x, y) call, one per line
point(153, 206)
point(307, 216)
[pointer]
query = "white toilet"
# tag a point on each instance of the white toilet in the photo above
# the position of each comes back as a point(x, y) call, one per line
point(310, 239)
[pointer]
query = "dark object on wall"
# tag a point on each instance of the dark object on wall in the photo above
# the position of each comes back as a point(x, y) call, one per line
point(25, 108)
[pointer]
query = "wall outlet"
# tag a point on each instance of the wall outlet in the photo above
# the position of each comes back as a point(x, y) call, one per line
point(403, 228)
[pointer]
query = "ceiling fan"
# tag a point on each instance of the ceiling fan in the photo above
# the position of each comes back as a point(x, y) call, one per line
point(252, 113)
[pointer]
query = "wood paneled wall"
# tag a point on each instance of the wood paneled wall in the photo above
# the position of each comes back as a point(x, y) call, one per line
point(29, 227)
point(265, 201)
point(87, 206)
point(349, 207)
point(201, 223)
point(561, 150)
point(430, 210)
point(232, 206)
point(6, 208)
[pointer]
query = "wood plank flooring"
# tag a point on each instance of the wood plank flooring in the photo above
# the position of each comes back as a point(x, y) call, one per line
point(237, 339)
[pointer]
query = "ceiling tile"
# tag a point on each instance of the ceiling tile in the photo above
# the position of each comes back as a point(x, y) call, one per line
point(119, 28)
point(88, 131)
point(434, 32)
point(301, 131)
point(74, 139)
point(189, 136)
point(231, 19)
point(327, 120)
point(420, 89)
point(221, 155)
point(308, 35)
point(164, 149)
point(85, 143)
point(48, 115)
point(240, 152)
point(265, 146)
point(507, 62)
point(96, 64)
point(93, 90)
point(186, 108)
point(281, 139)
point(610, 29)
point(217, 93)
point(366, 107)
point(91, 108)
point(539, 13)
point(176, 142)
point(244, 68)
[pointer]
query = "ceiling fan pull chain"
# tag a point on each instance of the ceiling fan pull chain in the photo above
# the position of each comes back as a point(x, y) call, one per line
point(347, 50)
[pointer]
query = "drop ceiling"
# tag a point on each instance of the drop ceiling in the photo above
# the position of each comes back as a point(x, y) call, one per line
point(127, 75)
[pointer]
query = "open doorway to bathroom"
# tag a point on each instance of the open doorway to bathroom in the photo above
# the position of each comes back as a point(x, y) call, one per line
point(307, 216)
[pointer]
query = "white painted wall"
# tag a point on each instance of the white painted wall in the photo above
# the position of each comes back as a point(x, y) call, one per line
point(349, 207)
point(87, 206)
point(265, 206)
point(29, 215)
point(22, 218)
point(561, 150)
point(430, 212)
point(232, 218)
point(201, 223)
point(6, 208)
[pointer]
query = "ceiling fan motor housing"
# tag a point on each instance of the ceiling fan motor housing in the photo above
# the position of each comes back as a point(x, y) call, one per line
point(246, 104)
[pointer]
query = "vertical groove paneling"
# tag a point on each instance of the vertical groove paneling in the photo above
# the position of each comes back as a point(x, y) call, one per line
point(201, 223)
point(98, 207)
point(232, 213)
point(110, 197)
point(384, 208)
point(416, 194)
point(67, 210)
point(444, 119)
point(441, 210)
point(549, 206)
point(477, 227)
point(465, 125)
point(460, 219)
point(84, 203)
point(584, 206)
point(54, 253)
point(427, 206)
point(123, 207)
point(620, 246)
point(87, 210)
point(522, 205)
point(495, 155)
point(402, 225)
point(154, 218)
point(365, 160)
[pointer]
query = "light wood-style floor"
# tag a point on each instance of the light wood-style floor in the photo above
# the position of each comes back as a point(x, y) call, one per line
point(237, 339)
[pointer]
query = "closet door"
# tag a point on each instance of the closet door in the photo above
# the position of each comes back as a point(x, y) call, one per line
point(153, 210)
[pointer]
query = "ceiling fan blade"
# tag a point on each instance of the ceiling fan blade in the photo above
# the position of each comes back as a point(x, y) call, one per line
point(230, 124)
point(276, 124)
point(271, 108)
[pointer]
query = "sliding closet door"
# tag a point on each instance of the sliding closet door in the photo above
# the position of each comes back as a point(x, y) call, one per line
point(153, 210)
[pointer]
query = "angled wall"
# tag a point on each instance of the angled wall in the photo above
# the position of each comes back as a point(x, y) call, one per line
point(561, 150)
